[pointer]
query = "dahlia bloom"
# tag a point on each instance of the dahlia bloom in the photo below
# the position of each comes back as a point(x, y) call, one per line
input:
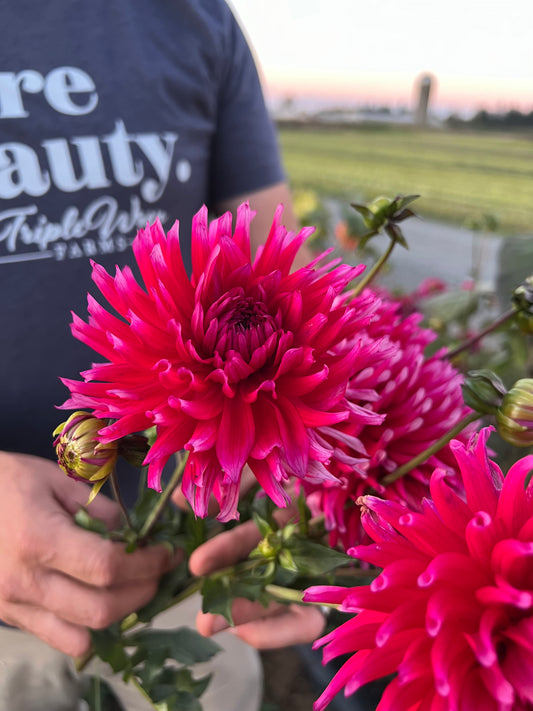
point(452, 611)
point(420, 400)
point(238, 363)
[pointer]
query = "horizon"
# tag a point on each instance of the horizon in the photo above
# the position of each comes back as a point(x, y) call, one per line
point(480, 55)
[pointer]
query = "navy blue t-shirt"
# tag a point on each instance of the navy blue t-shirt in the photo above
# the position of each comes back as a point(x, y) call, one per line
point(112, 112)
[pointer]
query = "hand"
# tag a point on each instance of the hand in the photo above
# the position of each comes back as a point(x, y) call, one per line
point(56, 579)
point(264, 628)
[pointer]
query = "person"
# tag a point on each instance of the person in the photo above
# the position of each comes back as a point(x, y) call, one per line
point(111, 114)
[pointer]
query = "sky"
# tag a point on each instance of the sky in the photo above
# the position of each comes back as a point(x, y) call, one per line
point(480, 53)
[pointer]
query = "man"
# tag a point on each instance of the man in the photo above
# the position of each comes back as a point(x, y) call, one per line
point(112, 113)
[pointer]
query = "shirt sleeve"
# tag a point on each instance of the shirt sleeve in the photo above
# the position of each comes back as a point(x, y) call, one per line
point(245, 153)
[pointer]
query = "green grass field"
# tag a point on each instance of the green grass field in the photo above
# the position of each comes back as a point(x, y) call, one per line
point(457, 174)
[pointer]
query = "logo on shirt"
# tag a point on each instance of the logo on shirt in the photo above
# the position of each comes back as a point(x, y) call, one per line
point(141, 162)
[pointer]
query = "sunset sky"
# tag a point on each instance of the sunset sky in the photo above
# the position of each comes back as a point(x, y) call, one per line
point(372, 51)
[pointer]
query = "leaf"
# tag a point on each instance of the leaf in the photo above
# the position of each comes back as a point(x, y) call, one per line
point(84, 520)
point(287, 561)
point(109, 646)
point(264, 527)
point(177, 680)
point(396, 235)
point(314, 559)
point(400, 201)
point(195, 531)
point(183, 644)
point(218, 593)
point(153, 670)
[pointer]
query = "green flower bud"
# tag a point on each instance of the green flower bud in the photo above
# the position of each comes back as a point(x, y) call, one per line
point(266, 549)
point(380, 208)
point(384, 213)
point(134, 448)
point(522, 300)
point(483, 391)
point(79, 453)
point(514, 419)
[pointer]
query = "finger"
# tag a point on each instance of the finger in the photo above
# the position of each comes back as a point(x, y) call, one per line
point(70, 639)
point(87, 606)
point(297, 625)
point(242, 611)
point(75, 495)
point(232, 546)
point(85, 556)
point(225, 549)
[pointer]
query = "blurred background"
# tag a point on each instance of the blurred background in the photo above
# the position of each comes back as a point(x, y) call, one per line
point(417, 97)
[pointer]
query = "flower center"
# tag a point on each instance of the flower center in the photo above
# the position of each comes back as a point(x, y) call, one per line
point(243, 324)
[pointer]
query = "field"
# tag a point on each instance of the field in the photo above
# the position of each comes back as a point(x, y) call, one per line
point(458, 175)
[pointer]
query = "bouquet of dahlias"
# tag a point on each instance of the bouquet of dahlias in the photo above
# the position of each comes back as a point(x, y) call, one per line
point(321, 387)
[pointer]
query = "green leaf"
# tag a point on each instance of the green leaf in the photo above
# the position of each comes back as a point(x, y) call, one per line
point(180, 701)
point(195, 531)
point(314, 559)
point(84, 520)
point(402, 200)
point(172, 681)
point(218, 592)
point(264, 527)
point(396, 235)
point(286, 561)
point(183, 644)
point(153, 670)
point(217, 597)
point(264, 507)
point(109, 646)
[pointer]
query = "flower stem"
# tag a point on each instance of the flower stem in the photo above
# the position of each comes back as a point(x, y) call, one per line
point(365, 281)
point(421, 458)
point(285, 594)
point(506, 316)
point(118, 498)
point(163, 499)
point(291, 595)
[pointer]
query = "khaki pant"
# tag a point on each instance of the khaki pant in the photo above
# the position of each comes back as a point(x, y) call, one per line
point(35, 677)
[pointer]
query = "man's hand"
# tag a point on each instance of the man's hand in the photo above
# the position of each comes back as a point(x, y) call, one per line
point(56, 579)
point(263, 628)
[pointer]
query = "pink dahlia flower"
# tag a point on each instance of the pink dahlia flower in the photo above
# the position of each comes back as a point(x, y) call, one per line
point(452, 611)
point(420, 399)
point(238, 364)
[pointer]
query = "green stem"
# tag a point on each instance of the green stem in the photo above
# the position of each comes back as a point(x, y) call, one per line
point(118, 498)
point(421, 458)
point(97, 693)
point(365, 281)
point(163, 499)
point(291, 595)
point(507, 316)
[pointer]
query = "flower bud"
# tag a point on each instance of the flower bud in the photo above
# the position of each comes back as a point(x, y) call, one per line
point(483, 391)
point(522, 300)
point(134, 448)
point(79, 453)
point(384, 213)
point(514, 419)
